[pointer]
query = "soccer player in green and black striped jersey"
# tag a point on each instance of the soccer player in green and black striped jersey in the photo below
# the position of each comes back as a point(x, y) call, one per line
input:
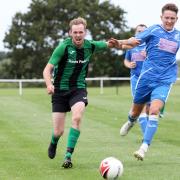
point(69, 65)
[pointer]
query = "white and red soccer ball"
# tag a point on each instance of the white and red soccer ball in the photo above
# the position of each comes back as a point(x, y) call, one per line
point(111, 168)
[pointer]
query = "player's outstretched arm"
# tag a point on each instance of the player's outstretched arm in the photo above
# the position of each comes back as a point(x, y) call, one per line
point(124, 44)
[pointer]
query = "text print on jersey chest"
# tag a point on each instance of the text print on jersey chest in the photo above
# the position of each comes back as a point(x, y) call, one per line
point(167, 45)
point(138, 56)
point(79, 61)
point(77, 56)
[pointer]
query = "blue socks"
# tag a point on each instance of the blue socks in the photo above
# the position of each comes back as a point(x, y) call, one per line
point(143, 119)
point(151, 129)
point(148, 124)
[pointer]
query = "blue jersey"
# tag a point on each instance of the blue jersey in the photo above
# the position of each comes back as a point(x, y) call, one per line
point(161, 48)
point(136, 54)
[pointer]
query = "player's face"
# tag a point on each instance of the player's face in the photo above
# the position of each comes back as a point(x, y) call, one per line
point(78, 33)
point(169, 18)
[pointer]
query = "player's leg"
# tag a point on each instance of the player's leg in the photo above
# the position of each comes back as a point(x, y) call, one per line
point(143, 118)
point(151, 128)
point(158, 96)
point(152, 124)
point(132, 118)
point(78, 101)
point(141, 96)
point(58, 130)
point(60, 106)
point(74, 132)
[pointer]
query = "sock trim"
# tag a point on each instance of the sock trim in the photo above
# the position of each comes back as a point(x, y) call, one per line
point(143, 115)
point(153, 117)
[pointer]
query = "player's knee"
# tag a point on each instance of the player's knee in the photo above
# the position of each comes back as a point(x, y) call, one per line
point(58, 132)
point(76, 119)
point(154, 111)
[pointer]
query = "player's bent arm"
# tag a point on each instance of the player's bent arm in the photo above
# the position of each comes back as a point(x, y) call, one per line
point(47, 74)
point(126, 63)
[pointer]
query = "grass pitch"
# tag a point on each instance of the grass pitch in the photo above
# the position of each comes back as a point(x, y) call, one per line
point(26, 127)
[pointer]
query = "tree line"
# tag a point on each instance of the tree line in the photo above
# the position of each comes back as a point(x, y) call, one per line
point(33, 36)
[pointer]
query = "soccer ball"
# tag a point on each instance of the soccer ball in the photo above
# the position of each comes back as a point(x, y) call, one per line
point(111, 168)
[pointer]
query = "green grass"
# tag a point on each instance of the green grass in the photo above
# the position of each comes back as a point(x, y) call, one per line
point(25, 131)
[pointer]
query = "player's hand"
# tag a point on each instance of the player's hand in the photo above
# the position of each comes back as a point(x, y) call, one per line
point(50, 89)
point(132, 65)
point(115, 43)
point(133, 41)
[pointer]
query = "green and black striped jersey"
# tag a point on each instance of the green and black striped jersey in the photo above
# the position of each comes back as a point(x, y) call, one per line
point(71, 63)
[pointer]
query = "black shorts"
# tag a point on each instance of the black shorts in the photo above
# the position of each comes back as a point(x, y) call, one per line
point(63, 100)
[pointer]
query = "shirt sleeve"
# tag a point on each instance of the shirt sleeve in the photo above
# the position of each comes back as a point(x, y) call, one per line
point(99, 45)
point(145, 35)
point(128, 55)
point(57, 54)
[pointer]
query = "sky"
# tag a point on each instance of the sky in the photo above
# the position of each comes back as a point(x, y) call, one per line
point(138, 11)
point(8, 9)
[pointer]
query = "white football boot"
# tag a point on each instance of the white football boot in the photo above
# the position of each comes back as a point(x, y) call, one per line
point(140, 154)
point(126, 127)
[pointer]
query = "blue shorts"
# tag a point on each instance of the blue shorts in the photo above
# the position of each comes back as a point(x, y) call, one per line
point(147, 91)
point(134, 80)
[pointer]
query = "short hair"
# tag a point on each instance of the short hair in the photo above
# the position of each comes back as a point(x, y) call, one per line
point(78, 21)
point(141, 25)
point(171, 7)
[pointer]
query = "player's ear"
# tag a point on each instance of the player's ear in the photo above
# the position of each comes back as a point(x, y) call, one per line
point(176, 19)
point(161, 17)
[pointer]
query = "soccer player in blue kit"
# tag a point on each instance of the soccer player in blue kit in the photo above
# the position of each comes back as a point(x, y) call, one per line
point(158, 74)
point(134, 59)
